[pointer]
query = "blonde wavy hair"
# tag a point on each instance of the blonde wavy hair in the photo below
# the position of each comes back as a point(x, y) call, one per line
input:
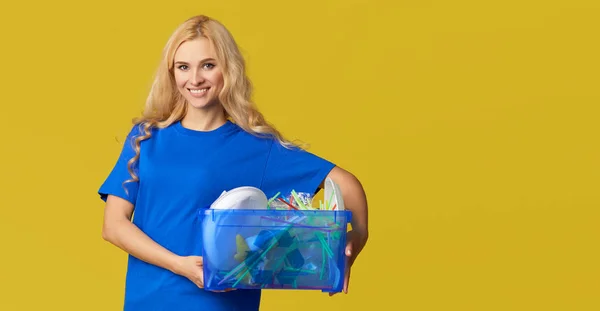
point(165, 104)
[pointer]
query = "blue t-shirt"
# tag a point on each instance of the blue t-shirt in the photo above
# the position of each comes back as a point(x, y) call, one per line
point(182, 170)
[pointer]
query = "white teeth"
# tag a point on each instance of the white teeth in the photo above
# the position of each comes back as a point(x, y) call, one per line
point(199, 91)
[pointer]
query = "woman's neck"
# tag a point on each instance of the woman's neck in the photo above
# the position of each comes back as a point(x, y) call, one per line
point(204, 120)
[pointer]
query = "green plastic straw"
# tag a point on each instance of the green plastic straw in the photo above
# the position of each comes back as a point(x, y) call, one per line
point(233, 272)
point(279, 263)
point(263, 254)
point(328, 203)
point(325, 245)
point(254, 263)
point(272, 199)
point(297, 198)
point(299, 270)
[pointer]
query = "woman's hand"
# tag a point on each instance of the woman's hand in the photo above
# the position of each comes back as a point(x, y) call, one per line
point(191, 267)
point(356, 241)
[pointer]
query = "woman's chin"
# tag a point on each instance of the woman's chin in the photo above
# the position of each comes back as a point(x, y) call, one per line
point(201, 104)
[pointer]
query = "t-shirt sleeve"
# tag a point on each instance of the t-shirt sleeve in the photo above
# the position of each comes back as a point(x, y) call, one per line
point(293, 169)
point(114, 183)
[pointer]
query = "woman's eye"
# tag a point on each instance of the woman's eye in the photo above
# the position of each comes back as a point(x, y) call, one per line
point(209, 66)
point(182, 67)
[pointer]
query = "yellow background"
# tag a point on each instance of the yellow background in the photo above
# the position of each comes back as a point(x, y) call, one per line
point(472, 124)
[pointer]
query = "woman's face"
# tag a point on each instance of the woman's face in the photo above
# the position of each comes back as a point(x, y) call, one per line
point(197, 75)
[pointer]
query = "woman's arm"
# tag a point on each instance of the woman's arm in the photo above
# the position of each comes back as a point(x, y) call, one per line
point(355, 200)
point(118, 230)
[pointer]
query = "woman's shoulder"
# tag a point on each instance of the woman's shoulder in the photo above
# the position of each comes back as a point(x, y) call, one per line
point(254, 139)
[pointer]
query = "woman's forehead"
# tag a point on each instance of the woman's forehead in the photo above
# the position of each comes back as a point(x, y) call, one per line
point(198, 49)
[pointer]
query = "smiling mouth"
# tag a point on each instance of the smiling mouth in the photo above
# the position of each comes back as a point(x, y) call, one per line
point(198, 92)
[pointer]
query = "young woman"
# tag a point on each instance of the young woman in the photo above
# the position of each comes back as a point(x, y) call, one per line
point(199, 135)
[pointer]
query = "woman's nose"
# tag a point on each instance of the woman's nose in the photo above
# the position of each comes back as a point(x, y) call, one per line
point(197, 77)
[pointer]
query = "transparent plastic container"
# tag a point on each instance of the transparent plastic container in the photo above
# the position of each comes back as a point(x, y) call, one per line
point(274, 249)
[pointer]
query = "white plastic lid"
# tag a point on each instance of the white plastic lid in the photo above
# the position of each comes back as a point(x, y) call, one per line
point(241, 198)
point(220, 242)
